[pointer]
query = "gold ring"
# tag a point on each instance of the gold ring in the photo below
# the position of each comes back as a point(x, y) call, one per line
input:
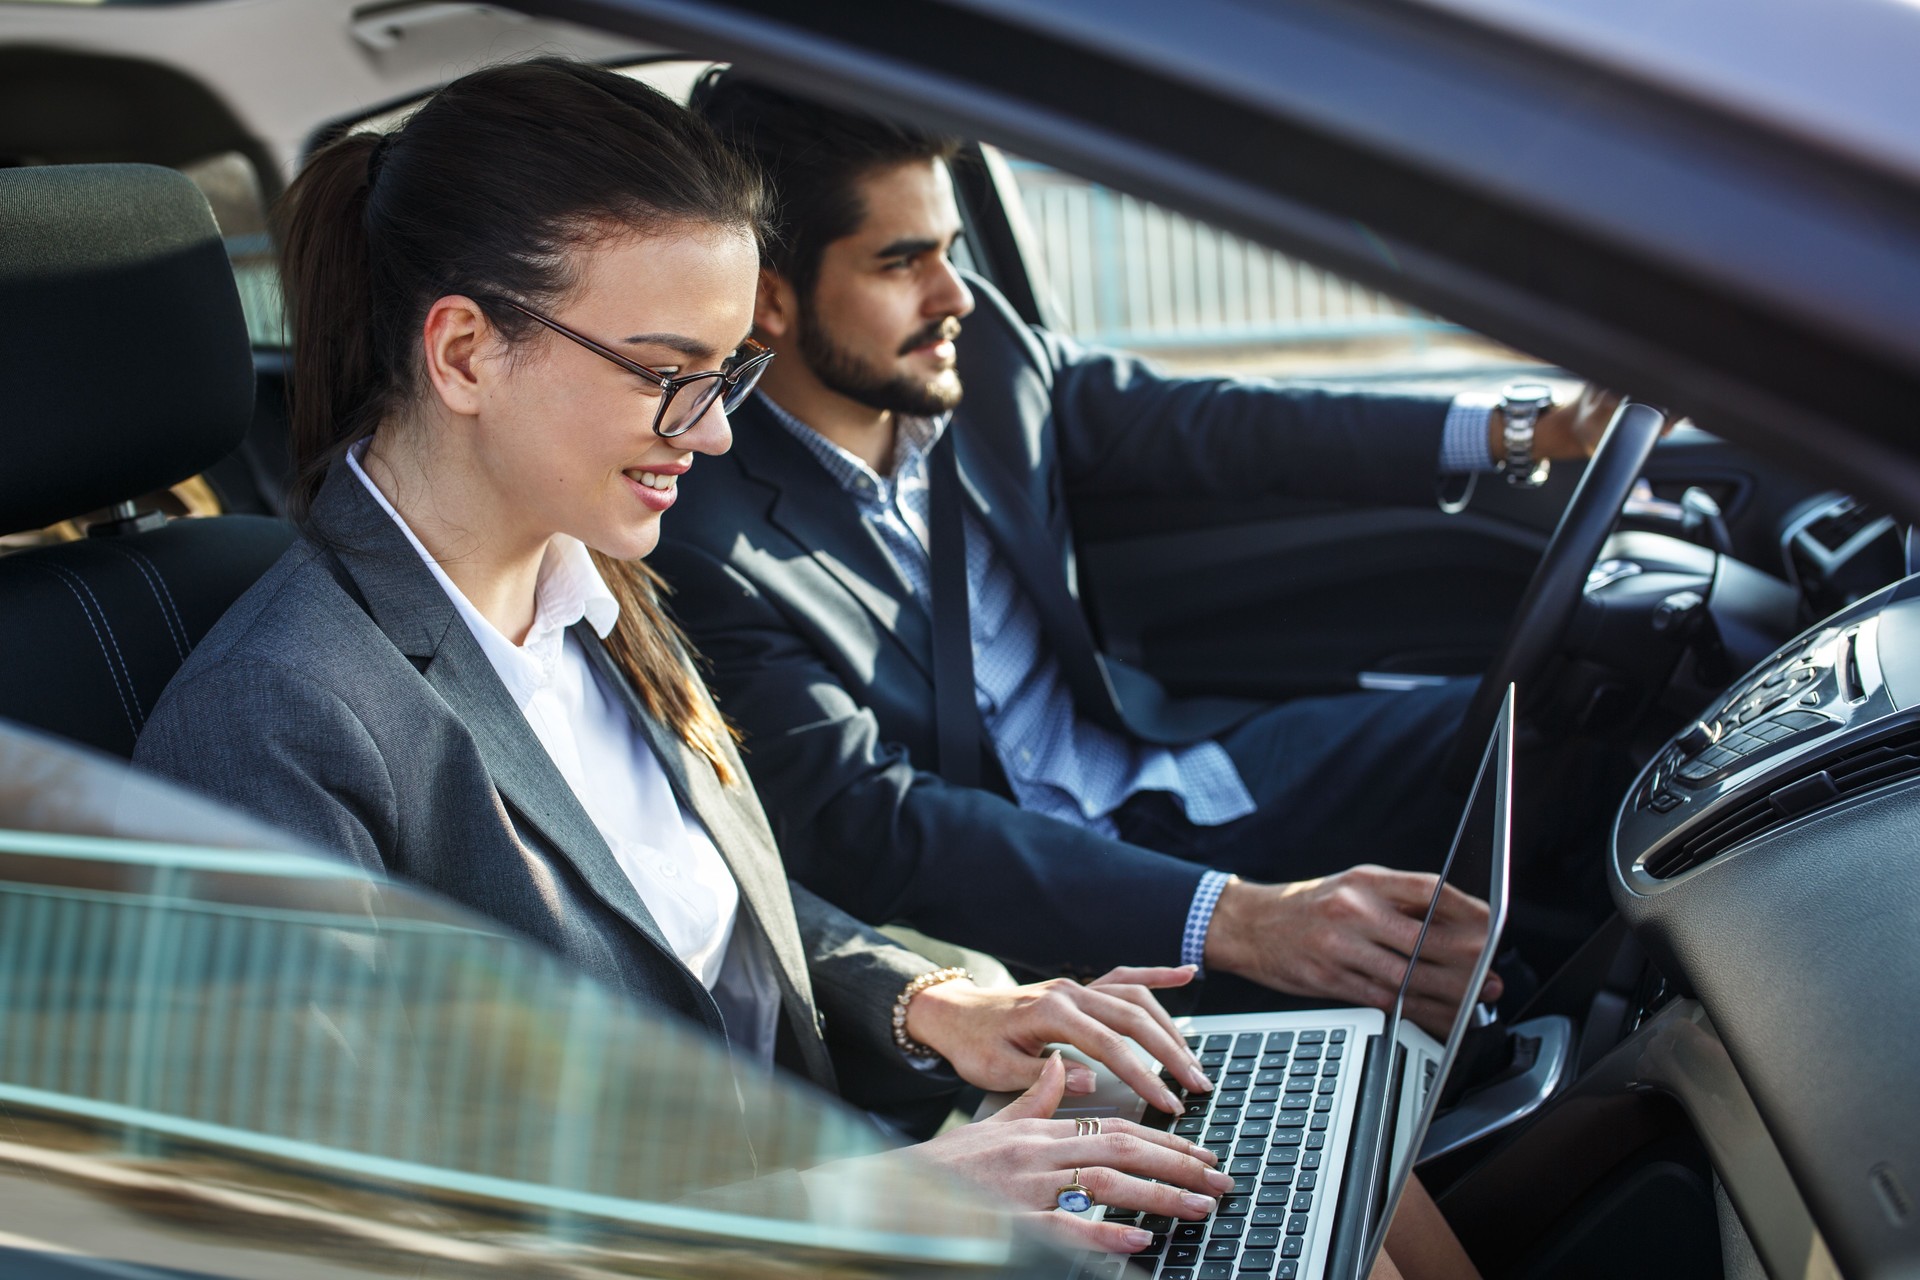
point(1073, 1197)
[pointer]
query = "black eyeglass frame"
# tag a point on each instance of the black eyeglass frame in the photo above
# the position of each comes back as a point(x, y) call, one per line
point(756, 357)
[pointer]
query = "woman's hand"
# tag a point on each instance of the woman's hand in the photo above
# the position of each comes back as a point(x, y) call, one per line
point(1023, 1158)
point(994, 1037)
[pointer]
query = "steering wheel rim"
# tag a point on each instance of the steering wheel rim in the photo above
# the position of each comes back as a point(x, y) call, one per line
point(1553, 594)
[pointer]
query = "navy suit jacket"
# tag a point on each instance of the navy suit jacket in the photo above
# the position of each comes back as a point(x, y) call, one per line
point(823, 656)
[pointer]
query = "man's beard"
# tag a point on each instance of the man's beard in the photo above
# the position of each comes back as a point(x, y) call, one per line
point(840, 370)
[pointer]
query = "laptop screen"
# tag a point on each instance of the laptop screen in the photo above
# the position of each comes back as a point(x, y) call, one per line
point(1477, 865)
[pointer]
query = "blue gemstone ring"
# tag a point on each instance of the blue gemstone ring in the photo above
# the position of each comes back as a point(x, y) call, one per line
point(1073, 1197)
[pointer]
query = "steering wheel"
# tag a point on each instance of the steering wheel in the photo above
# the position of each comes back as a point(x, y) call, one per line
point(1553, 596)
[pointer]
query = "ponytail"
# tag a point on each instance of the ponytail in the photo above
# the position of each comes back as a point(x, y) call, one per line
point(486, 191)
point(326, 276)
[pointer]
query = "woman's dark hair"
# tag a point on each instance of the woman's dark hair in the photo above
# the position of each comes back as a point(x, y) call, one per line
point(813, 157)
point(486, 191)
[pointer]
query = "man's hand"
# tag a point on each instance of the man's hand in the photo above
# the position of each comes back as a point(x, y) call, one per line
point(1569, 430)
point(995, 1038)
point(1347, 937)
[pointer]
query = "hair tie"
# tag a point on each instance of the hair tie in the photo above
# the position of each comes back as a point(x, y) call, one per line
point(378, 158)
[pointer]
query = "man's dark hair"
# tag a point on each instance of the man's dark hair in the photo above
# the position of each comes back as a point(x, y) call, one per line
point(813, 156)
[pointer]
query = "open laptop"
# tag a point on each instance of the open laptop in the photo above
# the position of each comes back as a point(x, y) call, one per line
point(1318, 1115)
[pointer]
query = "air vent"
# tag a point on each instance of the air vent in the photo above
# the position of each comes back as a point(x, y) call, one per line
point(1840, 523)
point(1816, 784)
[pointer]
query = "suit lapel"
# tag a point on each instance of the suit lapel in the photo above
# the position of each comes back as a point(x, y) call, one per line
point(1034, 556)
point(407, 604)
point(738, 828)
point(811, 509)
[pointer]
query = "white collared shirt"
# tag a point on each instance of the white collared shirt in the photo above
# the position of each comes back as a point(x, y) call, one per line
point(593, 741)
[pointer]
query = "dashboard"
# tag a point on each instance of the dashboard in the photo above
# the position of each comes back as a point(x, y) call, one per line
point(1768, 859)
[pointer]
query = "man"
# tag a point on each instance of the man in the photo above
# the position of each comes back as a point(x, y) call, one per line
point(936, 736)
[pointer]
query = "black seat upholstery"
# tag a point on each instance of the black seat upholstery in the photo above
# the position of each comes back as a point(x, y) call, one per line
point(124, 368)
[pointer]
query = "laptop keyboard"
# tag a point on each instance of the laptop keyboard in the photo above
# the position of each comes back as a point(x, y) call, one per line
point(1267, 1121)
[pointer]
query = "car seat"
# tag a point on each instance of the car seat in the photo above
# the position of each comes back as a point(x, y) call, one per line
point(124, 368)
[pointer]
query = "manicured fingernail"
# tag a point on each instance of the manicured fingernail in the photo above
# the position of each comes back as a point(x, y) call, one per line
point(1199, 1082)
point(1168, 1103)
point(1203, 1155)
point(1220, 1180)
point(1196, 1204)
point(1079, 1080)
point(1135, 1239)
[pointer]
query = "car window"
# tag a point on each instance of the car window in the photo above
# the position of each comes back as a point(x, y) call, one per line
point(214, 1052)
point(1117, 271)
point(232, 186)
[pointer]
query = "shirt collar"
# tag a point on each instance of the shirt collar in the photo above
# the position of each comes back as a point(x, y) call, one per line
point(568, 589)
point(913, 439)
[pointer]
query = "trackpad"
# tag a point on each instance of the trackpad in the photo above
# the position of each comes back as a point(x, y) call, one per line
point(1111, 1096)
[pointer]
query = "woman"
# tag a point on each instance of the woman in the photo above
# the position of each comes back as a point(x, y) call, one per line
point(462, 676)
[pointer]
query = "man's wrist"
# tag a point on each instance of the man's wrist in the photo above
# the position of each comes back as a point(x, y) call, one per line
point(1225, 932)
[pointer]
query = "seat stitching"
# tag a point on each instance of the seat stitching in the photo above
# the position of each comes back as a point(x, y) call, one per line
point(157, 584)
point(64, 575)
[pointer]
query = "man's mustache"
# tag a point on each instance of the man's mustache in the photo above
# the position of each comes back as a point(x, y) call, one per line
point(939, 331)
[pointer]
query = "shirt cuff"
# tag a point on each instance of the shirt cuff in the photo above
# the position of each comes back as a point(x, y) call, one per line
point(1463, 440)
point(1193, 939)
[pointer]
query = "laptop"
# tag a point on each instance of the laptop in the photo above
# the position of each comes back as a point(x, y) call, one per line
point(1317, 1115)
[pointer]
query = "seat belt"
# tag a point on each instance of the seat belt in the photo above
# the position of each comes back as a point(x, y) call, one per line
point(958, 729)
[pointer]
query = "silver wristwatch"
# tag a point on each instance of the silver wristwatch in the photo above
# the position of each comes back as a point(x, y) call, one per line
point(1521, 405)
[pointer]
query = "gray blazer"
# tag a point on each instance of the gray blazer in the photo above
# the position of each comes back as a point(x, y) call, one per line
point(377, 727)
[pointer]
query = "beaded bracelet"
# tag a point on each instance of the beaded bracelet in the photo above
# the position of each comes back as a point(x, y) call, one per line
point(908, 1045)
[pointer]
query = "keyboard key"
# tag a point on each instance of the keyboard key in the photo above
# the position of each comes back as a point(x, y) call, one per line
point(1226, 1228)
point(1187, 1128)
point(1222, 1250)
point(1155, 1247)
point(1220, 1041)
point(1247, 1044)
point(1197, 1108)
point(1243, 1185)
point(1335, 1052)
point(1320, 1127)
point(1286, 1271)
point(1279, 1041)
point(1297, 1224)
point(1306, 1068)
point(1237, 1080)
point(1296, 1102)
point(1158, 1223)
point(1330, 1069)
point(1266, 1093)
point(1188, 1232)
point(1310, 1160)
point(1328, 1086)
point(1229, 1098)
point(1277, 1175)
point(1244, 1164)
point(1269, 1216)
point(1307, 1181)
point(1257, 1260)
point(1306, 1051)
point(1177, 1273)
point(1250, 1147)
point(1270, 1077)
point(1274, 1061)
point(1221, 1151)
point(1302, 1201)
point(1214, 1058)
point(1215, 1133)
point(1288, 1137)
point(1227, 1116)
point(1185, 1255)
point(1292, 1247)
point(1283, 1156)
point(1216, 1271)
point(1339, 1037)
point(1263, 1238)
point(1233, 1207)
point(1274, 1195)
point(1193, 1042)
point(1313, 1037)
point(1290, 1120)
point(1323, 1104)
point(1126, 1217)
point(1260, 1111)
point(1256, 1128)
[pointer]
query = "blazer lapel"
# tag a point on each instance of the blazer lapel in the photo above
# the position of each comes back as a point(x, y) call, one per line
point(734, 820)
point(810, 509)
point(1034, 555)
point(405, 601)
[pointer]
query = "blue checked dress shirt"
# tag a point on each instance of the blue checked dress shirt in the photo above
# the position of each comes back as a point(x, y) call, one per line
point(1057, 763)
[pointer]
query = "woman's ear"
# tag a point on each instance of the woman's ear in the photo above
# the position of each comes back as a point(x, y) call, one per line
point(452, 339)
point(774, 307)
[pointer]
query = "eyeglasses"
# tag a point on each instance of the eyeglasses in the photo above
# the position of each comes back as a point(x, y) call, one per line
point(676, 414)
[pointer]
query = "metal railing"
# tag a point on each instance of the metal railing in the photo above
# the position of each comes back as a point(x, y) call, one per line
point(1127, 273)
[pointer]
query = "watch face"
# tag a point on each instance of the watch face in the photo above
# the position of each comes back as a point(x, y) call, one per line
point(1524, 394)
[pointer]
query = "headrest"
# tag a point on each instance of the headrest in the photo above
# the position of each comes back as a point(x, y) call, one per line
point(124, 360)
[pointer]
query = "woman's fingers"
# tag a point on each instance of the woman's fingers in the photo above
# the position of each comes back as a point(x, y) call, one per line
point(1072, 1233)
point(1138, 993)
point(1101, 1041)
point(1131, 1149)
point(1042, 1096)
